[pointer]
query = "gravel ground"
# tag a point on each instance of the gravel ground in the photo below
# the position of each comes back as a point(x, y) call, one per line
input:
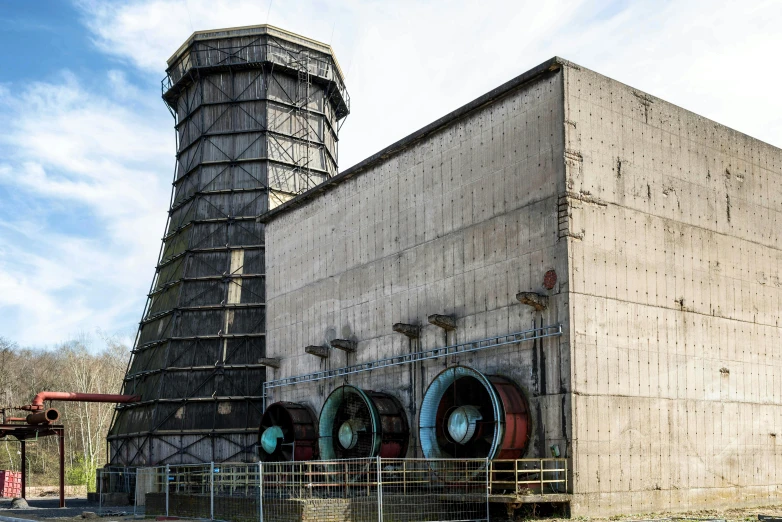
point(730, 515)
point(47, 509)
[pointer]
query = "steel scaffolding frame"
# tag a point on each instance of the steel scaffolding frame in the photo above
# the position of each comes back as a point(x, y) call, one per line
point(288, 86)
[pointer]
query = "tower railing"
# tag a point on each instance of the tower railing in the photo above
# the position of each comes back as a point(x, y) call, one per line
point(207, 55)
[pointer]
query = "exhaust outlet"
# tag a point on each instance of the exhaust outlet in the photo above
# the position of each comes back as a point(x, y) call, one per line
point(44, 417)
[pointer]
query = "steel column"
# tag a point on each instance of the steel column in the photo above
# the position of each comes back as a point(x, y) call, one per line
point(61, 437)
point(24, 469)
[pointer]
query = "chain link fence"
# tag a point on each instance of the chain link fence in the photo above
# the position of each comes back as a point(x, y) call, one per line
point(360, 490)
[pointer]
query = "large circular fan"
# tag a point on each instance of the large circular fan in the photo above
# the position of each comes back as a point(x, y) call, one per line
point(355, 424)
point(287, 433)
point(466, 414)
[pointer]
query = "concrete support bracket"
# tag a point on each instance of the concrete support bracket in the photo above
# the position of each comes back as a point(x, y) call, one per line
point(537, 301)
point(411, 331)
point(446, 322)
point(344, 345)
point(318, 351)
point(270, 362)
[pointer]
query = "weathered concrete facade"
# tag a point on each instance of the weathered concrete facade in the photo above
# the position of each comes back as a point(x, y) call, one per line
point(665, 388)
point(674, 268)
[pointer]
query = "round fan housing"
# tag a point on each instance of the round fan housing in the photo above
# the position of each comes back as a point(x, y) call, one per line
point(466, 414)
point(288, 432)
point(356, 423)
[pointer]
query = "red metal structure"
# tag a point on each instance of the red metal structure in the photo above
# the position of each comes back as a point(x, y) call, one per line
point(40, 423)
point(37, 404)
point(24, 432)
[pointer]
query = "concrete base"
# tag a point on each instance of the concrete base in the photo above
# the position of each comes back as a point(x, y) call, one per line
point(562, 498)
point(364, 508)
point(109, 499)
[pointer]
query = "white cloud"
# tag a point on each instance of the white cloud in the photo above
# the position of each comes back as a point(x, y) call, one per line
point(110, 154)
point(410, 62)
point(86, 178)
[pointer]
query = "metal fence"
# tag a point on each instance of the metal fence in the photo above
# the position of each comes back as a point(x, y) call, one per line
point(372, 490)
point(115, 488)
point(528, 476)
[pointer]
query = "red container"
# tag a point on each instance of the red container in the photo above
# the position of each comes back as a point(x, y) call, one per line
point(10, 484)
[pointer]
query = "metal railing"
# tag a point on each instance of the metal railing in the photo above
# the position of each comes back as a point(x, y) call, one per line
point(372, 489)
point(409, 358)
point(115, 488)
point(203, 55)
point(528, 476)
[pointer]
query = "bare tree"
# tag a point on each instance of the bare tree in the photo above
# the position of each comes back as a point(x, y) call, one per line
point(70, 366)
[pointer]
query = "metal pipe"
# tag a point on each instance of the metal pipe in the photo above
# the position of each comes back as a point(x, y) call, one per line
point(43, 417)
point(37, 404)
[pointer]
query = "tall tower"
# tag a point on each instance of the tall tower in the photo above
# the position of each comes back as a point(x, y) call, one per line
point(257, 111)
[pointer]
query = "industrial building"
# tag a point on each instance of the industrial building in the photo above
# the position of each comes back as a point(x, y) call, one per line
point(565, 266)
point(256, 112)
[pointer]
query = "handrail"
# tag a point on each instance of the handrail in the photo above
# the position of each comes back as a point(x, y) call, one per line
point(548, 472)
point(505, 476)
point(201, 57)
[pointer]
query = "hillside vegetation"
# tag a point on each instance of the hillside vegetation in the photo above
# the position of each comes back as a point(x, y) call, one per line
point(73, 366)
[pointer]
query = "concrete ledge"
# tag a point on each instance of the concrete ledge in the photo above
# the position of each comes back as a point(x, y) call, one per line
point(318, 351)
point(553, 498)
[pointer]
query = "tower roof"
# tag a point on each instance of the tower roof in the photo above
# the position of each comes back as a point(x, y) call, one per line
point(253, 30)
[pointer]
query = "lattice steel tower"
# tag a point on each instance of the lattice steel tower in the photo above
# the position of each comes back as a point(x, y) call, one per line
point(257, 111)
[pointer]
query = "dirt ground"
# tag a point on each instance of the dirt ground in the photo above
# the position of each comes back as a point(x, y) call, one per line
point(730, 515)
point(46, 509)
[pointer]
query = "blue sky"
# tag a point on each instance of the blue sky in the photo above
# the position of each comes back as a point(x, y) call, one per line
point(87, 149)
point(30, 27)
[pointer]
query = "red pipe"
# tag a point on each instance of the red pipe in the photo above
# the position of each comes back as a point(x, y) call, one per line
point(37, 404)
point(49, 416)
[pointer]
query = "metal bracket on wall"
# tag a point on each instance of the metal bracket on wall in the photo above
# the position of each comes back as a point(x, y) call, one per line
point(409, 358)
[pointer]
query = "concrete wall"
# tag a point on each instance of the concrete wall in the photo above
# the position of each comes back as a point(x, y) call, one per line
point(456, 224)
point(675, 258)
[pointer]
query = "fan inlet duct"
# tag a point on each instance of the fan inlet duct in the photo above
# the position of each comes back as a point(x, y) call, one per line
point(466, 414)
point(288, 433)
point(356, 423)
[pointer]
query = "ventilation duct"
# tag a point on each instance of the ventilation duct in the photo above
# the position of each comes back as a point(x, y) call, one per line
point(356, 423)
point(466, 414)
point(288, 432)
